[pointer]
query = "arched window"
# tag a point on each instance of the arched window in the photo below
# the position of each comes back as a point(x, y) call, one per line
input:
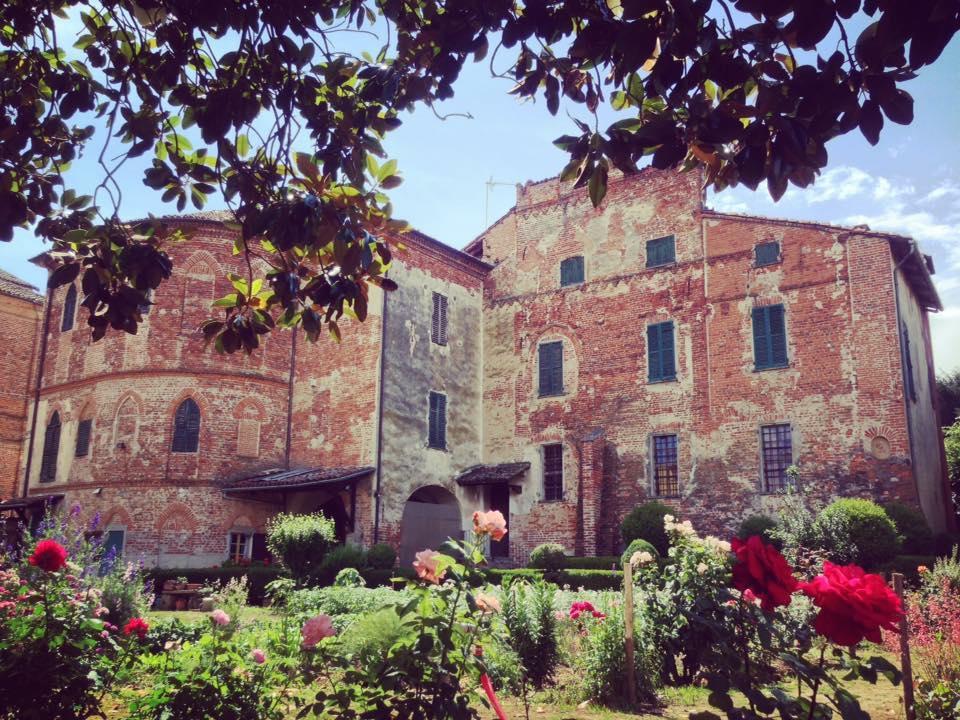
point(186, 427)
point(69, 309)
point(51, 448)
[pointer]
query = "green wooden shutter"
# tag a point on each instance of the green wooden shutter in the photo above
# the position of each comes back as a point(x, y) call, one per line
point(778, 336)
point(761, 347)
point(661, 251)
point(437, 432)
point(551, 368)
point(571, 271)
point(667, 363)
point(654, 371)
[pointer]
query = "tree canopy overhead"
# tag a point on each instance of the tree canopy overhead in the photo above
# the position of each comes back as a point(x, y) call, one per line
point(220, 95)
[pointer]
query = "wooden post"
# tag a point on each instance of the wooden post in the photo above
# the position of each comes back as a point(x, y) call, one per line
point(905, 664)
point(628, 631)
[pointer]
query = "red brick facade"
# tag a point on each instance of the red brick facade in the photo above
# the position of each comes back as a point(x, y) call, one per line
point(850, 299)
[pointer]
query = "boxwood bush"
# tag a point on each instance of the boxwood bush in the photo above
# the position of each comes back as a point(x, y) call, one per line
point(548, 556)
point(638, 546)
point(761, 525)
point(857, 531)
point(381, 556)
point(301, 542)
point(912, 526)
point(645, 522)
point(601, 562)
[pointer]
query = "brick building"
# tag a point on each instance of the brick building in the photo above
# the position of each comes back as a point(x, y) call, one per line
point(569, 363)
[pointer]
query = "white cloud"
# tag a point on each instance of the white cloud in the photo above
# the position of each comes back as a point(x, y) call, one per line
point(946, 190)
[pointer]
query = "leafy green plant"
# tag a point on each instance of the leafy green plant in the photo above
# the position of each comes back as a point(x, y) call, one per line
point(645, 522)
point(912, 526)
point(548, 556)
point(59, 654)
point(603, 659)
point(301, 542)
point(528, 613)
point(852, 530)
point(936, 699)
point(381, 557)
point(349, 577)
point(638, 546)
point(218, 676)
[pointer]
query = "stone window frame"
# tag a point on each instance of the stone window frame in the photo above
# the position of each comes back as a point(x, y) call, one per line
point(440, 435)
point(765, 489)
point(68, 318)
point(652, 455)
point(544, 472)
point(247, 533)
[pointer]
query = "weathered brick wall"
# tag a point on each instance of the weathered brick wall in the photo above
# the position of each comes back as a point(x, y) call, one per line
point(20, 322)
point(130, 386)
point(841, 389)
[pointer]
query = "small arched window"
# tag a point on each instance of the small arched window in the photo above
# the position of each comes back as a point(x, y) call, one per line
point(69, 309)
point(186, 427)
point(51, 448)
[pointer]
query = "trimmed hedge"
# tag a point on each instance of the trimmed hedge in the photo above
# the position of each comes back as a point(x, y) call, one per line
point(601, 562)
point(857, 531)
point(379, 577)
point(912, 527)
point(257, 578)
point(761, 525)
point(907, 566)
point(587, 579)
point(636, 546)
point(645, 522)
point(548, 556)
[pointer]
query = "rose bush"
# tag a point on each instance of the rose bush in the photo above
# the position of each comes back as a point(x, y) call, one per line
point(761, 569)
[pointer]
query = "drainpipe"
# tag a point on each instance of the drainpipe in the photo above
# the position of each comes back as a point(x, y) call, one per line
point(293, 368)
point(36, 391)
point(383, 359)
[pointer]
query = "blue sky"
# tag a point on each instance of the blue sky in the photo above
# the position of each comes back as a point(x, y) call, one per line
point(909, 183)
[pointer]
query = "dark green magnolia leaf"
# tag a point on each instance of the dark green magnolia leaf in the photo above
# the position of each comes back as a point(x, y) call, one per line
point(63, 275)
point(898, 106)
point(598, 184)
point(871, 121)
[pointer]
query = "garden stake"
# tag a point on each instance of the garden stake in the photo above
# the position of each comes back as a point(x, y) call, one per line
point(905, 664)
point(628, 630)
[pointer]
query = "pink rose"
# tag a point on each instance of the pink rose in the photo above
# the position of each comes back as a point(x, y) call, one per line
point(426, 566)
point(219, 617)
point(316, 629)
point(488, 603)
point(259, 656)
point(490, 523)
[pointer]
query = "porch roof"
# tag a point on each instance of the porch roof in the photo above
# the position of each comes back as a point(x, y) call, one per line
point(299, 479)
point(22, 503)
point(499, 474)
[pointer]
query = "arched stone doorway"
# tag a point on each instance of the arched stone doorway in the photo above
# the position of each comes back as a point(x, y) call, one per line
point(430, 516)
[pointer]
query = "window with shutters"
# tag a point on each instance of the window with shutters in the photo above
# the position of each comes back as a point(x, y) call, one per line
point(553, 472)
point(239, 546)
point(69, 309)
point(661, 362)
point(438, 326)
point(769, 337)
point(437, 435)
point(186, 427)
point(908, 366)
point(666, 474)
point(83, 438)
point(776, 455)
point(51, 448)
point(571, 271)
point(550, 363)
point(767, 253)
point(661, 251)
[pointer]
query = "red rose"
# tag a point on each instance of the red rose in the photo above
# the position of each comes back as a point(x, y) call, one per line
point(49, 555)
point(760, 568)
point(853, 604)
point(138, 627)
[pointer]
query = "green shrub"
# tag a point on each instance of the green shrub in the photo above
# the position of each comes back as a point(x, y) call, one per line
point(549, 556)
point(588, 579)
point(343, 604)
point(857, 531)
point(384, 578)
point(635, 547)
point(907, 565)
point(603, 661)
point(300, 541)
point(759, 525)
point(337, 559)
point(349, 577)
point(381, 557)
point(497, 576)
point(912, 527)
point(645, 522)
point(528, 614)
point(601, 562)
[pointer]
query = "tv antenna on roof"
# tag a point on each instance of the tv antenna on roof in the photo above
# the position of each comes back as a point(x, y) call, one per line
point(491, 184)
